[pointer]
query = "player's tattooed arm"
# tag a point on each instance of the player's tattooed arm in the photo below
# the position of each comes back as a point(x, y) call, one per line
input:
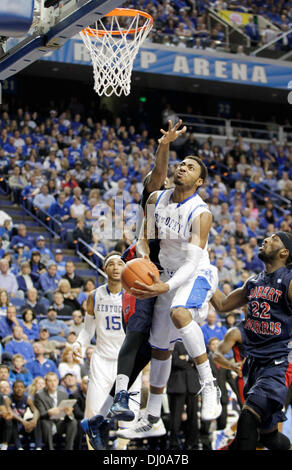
point(236, 299)
point(148, 229)
point(159, 172)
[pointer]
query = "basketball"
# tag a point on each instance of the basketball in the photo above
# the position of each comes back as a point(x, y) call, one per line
point(138, 270)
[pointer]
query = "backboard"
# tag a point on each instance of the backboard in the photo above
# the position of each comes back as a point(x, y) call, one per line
point(50, 29)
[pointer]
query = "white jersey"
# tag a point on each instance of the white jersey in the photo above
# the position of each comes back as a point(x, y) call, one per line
point(108, 319)
point(173, 221)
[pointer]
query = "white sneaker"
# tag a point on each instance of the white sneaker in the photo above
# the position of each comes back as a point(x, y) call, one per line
point(143, 429)
point(120, 444)
point(211, 405)
point(222, 438)
point(3, 446)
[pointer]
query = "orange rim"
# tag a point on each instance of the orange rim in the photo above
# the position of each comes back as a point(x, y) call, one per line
point(119, 12)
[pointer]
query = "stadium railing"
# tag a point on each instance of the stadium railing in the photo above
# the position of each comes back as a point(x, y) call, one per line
point(223, 128)
point(43, 218)
point(88, 255)
point(57, 230)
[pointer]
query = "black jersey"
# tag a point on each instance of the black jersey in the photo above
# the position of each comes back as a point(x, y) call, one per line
point(154, 244)
point(269, 321)
point(19, 406)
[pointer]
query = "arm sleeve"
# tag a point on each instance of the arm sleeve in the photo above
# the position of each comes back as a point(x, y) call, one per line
point(189, 269)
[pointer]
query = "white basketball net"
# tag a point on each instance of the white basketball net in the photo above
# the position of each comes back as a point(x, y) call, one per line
point(113, 55)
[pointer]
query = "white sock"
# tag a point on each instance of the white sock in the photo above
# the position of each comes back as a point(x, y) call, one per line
point(154, 404)
point(106, 406)
point(205, 372)
point(122, 382)
point(193, 339)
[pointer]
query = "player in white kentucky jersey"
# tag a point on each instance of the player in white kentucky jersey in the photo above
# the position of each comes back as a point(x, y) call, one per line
point(104, 318)
point(182, 222)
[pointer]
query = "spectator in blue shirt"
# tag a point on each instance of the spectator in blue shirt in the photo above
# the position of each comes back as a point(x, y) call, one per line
point(9, 147)
point(29, 324)
point(44, 200)
point(252, 261)
point(21, 255)
point(26, 279)
point(213, 328)
point(18, 371)
point(75, 153)
point(37, 267)
point(251, 30)
point(61, 264)
point(58, 329)
point(4, 374)
point(31, 189)
point(8, 322)
point(21, 237)
point(60, 210)
point(18, 345)
point(40, 366)
point(49, 281)
point(40, 245)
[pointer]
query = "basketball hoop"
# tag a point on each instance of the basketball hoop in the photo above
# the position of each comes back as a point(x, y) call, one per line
point(113, 46)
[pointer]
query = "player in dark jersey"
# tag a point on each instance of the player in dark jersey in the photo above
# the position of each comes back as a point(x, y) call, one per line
point(138, 313)
point(233, 339)
point(267, 331)
point(135, 352)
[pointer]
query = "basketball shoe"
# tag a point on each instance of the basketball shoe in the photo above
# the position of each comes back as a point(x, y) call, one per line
point(120, 408)
point(149, 426)
point(221, 439)
point(211, 405)
point(96, 429)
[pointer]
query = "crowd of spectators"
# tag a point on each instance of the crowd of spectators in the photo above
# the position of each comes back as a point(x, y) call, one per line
point(85, 173)
point(184, 23)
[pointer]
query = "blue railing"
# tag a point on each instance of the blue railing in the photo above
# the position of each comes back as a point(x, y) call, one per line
point(88, 256)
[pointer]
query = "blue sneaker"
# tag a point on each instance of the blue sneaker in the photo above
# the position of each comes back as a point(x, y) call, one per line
point(120, 408)
point(96, 428)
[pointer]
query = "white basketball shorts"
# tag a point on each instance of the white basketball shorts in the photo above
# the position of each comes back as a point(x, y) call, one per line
point(194, 295)
point(102, 375)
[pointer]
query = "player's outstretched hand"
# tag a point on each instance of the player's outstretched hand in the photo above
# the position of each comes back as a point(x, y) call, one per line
point(172, 133)
point(145, 292)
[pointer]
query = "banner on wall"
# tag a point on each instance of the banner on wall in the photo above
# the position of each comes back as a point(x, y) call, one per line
point(191, 64)
point(236, 17)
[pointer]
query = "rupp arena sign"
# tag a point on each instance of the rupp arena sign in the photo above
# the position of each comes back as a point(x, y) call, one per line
point(192, 63)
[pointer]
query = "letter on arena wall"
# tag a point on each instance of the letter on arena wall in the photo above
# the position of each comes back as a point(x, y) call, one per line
point(81, 53)
point(259, 74)
point(201, 67)
point(147, 58)
point(220, 69)
point(181, 64)
point(239, 71)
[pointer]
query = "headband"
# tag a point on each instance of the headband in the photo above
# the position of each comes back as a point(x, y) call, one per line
point(286, 240)
point(112, 257)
